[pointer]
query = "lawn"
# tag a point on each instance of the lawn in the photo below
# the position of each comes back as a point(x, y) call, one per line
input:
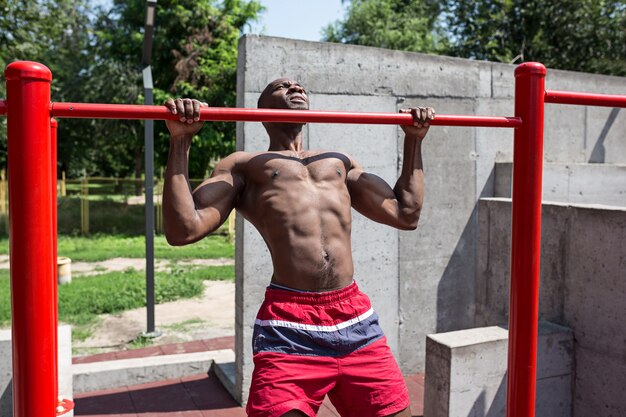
point(81, 301)
point(101, 247)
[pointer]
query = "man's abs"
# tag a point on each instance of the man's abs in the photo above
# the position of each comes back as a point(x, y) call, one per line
point(303, 212)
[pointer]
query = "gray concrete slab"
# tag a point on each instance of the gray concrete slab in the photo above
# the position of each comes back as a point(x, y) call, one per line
point(572, 183)
point(103, 375)
point(582, 287)
point(466, 372)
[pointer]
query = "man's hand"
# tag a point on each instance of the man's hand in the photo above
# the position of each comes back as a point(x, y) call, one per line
point(421, 121)
point(188, 112)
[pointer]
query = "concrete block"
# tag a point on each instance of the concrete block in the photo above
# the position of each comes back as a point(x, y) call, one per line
point(597, 184)
point(600, 382)
point(595, 291)
point(64, 336)
point(572, 183)
point(118, 373)
point(582, 287)
point(466, 372)
point(493, 263)
point(226, 372)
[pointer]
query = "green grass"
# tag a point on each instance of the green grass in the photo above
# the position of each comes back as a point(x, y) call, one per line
point(101, 247)
point(184, 325)
point(140, 342)
point(81, 301)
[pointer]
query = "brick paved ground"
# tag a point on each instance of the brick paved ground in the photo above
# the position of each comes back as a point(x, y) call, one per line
point(199, 395)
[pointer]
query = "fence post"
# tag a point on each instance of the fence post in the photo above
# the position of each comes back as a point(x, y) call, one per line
point(4, 208)
point(525, 240)
point(84, 204)
point(63, 186)
point(32, 272)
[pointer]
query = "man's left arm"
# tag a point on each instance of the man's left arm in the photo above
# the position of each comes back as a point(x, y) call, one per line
point(401, 205)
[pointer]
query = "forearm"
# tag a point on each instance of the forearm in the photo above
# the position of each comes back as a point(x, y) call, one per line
point(178, 204)
point(409, 189)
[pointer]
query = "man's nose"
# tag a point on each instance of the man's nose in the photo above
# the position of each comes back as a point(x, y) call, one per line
point(296, 88)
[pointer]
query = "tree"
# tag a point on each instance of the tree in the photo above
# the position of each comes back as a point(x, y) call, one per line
point(394, 24)
point(55, 33)
point(579, 35)
point(95, 56)
point(194, 55)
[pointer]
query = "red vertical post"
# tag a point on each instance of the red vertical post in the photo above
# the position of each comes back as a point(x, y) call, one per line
point(525, 240)
point(55, 279)
point(30, 232)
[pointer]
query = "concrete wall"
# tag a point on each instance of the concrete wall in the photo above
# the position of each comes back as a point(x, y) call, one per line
point(420, 282)
point(572, 183)
point(466, 372)
point(583, 287)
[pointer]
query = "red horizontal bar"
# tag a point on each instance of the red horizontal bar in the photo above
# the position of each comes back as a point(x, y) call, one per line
point(585, 99)
point(3, 107)
point(131, 111)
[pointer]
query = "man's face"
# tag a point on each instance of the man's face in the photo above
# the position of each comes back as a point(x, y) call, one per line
point(284, 93)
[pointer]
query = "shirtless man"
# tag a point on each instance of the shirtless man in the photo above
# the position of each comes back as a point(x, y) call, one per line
point(315, 333)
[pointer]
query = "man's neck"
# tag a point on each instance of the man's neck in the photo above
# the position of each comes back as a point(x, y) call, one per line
point(284, 136)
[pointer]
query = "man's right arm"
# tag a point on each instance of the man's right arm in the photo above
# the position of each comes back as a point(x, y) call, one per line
point(189, 216)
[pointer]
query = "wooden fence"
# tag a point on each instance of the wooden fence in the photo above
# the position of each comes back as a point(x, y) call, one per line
point(128, 191)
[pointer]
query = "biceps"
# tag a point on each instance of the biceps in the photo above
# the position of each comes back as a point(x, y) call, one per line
point(216, 196)
point(371, 194)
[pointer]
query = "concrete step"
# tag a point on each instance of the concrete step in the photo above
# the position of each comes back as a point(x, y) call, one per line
point(123, 372)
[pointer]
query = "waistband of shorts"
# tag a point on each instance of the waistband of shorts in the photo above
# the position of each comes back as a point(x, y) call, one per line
point(322, 297)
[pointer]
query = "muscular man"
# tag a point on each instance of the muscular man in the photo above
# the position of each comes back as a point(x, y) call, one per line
point(315, 333)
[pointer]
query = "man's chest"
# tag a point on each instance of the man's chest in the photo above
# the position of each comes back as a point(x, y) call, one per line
point(285, 169)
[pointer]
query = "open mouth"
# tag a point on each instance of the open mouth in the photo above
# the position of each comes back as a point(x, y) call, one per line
point(297, 98)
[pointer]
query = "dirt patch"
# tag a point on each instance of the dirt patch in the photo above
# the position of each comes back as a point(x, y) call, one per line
point(208, 316)
point(122, 264)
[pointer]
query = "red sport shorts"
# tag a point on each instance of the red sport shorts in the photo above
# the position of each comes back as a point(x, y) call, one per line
point(310, 344)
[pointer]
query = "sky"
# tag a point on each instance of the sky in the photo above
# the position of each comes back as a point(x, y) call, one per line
point(297, 19)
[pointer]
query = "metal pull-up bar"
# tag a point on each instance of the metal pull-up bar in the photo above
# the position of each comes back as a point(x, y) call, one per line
point(31, 165)
point(585, 99)
point(128, 111)
point(31, 176)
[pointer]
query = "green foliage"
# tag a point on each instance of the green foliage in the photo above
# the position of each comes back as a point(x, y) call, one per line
point(194, 54)
point(393, 24)
point(53, 32)
point(95, 56)
point(578, 35)
point(100, 247)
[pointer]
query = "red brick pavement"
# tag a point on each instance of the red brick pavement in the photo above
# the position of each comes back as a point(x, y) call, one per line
point(199, 395)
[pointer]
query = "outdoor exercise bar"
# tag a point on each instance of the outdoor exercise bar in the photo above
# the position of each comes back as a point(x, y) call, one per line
point(129, 111)
point(585, 99)
point(29, 111)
